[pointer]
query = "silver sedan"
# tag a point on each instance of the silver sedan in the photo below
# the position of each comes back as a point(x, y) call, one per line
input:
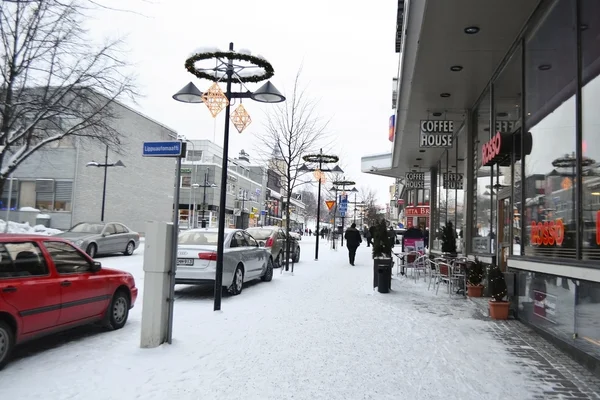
point(102, 238)
point(243, 259)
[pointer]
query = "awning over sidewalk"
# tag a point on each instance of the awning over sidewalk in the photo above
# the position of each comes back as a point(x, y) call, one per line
point(435, 39)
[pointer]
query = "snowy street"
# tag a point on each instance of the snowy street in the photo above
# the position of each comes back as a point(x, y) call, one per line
point(322, 333)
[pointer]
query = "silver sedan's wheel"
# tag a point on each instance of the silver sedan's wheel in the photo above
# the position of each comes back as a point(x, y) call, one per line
point(238, 281)
point(6, 342)
point(129, 249)
point(91, 250)
point(268, 276)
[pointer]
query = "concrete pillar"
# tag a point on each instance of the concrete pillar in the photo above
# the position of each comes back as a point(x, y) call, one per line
point(157, 262)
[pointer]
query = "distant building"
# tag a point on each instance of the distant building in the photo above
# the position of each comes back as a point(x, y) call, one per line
point(56, 181)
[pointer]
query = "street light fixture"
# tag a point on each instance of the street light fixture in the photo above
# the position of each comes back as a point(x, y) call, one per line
point(343, 183)
point(205, 185)
point(355, 191)
point(320, 159)
point(104, 165)
point(225, 70)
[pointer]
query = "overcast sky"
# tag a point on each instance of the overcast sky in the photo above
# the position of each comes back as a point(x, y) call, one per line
point(346, 50)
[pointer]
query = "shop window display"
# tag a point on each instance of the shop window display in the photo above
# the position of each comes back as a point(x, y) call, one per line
point(550, 169)
point(590, 43)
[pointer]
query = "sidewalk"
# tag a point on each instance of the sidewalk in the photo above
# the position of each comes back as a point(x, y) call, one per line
point(563, 377)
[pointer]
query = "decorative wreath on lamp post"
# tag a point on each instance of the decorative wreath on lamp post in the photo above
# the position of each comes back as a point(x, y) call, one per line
point(343, 183)
point(321, 158)
point(218, 73)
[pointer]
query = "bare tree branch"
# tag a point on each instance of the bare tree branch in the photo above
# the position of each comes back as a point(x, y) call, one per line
point(291, 130)
point(55, 83)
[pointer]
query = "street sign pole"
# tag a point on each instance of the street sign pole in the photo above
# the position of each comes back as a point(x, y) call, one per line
point(170, 149)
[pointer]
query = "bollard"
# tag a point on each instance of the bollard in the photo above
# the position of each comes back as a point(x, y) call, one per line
point(157, 262)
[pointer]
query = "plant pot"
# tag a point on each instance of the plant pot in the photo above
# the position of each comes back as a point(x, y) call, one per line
point(499, 309)
point(475, 290)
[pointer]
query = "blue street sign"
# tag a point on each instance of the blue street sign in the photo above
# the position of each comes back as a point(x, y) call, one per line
point(342, 214)
point(263, 212)
point(163, 149)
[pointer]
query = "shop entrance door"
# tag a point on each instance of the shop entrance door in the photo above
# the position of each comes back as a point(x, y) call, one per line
point(504, 234)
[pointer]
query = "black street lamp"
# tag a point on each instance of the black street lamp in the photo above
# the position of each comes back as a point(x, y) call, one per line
point(205, 185)
point(105, 166)
point(343, 183)
point(226, 67)
point(319, 159)
point(243, 200)
point(355, 191)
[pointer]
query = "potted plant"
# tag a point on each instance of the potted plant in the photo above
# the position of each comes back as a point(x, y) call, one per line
point(449, 239)
point(498, 306)
point(474, 278)
point(382, 251)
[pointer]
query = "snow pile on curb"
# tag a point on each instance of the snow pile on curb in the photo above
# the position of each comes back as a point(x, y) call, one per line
point(15, 227)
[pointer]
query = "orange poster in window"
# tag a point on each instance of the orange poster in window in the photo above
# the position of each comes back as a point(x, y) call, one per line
point(547, 233)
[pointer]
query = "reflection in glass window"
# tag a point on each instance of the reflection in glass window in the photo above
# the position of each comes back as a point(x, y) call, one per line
point(481, 192)
point(550, 75)
point(590, 37)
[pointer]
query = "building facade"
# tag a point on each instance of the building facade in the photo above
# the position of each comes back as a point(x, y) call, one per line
point(56, 181)
point(499, 123)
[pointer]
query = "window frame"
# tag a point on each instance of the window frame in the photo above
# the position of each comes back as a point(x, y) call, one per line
point(40, 254)
point(90, 264)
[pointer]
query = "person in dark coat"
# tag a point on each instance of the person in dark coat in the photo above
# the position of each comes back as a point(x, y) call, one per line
point(353, 240)
point(367, 235)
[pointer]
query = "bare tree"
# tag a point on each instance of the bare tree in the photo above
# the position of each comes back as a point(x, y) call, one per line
point(310, 201)
point(55, 83)
point(292, 130)
point(370, 209)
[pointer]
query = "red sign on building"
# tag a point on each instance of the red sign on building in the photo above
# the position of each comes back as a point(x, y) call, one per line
point(422, 211)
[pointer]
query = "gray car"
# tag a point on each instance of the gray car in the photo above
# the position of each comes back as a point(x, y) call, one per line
point(102, 238)
point(243, 259)
point(273, 239)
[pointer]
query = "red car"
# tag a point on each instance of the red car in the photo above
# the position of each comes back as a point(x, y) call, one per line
point(48, 285)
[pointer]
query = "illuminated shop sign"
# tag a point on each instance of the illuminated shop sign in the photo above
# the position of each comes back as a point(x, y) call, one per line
point(436, 133)
point(547, 233)
point(499, 148)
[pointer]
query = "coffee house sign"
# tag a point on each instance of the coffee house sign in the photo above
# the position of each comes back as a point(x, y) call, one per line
point(414, 180)
point(436, 133)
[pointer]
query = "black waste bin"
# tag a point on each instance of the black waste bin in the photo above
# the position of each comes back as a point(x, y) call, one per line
point(382, 274)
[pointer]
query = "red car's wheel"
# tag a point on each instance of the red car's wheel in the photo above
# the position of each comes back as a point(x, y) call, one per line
point(7, 342)
point(118, 311)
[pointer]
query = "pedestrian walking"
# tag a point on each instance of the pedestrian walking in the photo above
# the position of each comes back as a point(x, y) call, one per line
point(367, 235)
point(353, 240)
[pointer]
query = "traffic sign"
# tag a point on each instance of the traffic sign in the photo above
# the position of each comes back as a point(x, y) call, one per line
point(174, 148)
point(330, 204)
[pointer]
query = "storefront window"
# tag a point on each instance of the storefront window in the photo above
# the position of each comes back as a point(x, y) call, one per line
point(459, 167)
point(442, 195)
point(590, 43)
point(482, 196)
point(507, 171)
point(550, 76)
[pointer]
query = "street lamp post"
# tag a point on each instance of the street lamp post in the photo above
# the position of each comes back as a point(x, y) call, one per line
point(343, 183)
point(106, 165)
point(228, 72)
point(319, 159)
point(204, 185)
point(355, 190)
point(243, 199)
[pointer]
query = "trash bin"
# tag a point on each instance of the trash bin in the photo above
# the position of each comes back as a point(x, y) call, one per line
point(382, 274)
point(43, 219)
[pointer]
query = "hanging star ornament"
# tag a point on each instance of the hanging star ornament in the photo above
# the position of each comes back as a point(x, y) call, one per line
point(215, 99)
point(240, 118)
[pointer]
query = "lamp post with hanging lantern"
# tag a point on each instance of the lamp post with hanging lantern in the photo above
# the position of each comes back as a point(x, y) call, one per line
point(229, 67)
point(319, 159)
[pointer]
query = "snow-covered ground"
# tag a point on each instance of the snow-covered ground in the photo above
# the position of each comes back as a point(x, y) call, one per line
point(322, 333)
point(15, 227)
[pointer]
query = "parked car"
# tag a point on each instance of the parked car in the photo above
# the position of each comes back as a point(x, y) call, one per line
point(49, 285)
point(103, 238)
point(243, 259)
point(273, 239)
point(296, 235)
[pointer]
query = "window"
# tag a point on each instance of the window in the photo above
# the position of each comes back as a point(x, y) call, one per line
point(14, 195)
point(194, 155)
point(51, 195)
point(121, 228)
point(238, 240)
point(19, 260)
point(550, 70)
point(67, 259)
point(590, 37)
point(110, 229)
point(250, 240)
point(186, 181)
point(198, 238)
point(230, 188)
point(482, 192)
